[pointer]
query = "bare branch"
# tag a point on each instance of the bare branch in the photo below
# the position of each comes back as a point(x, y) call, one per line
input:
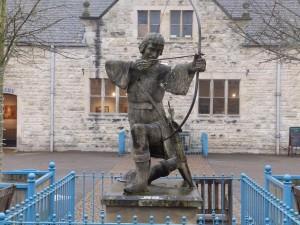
point(16, 31)
point(275, 27)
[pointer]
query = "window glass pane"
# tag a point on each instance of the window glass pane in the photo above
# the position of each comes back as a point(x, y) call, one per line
point(95, 104)
point(155, 17)
point(187, 17)
point(95, 85)
point(187, 23)
point(233, 88)
point(175, 30)
point(219, 86)
point(187, 30)
point(142, 30)
point(123, 92)
point(142, 17)
point(142, 23)
point(154, 21)
point(154, 28)
point(218, 106)
point(233, 106)
point(175, 23)
point(110, 88)
point(204, 105)
point(123, 107)
point(109, 105)
point(175, 17)
point(204, 87)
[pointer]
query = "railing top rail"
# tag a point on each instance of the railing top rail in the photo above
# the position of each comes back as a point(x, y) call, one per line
point(44, 178)
point(281, 177)
point(275, 181)
point(24, 172)
point(18, 185)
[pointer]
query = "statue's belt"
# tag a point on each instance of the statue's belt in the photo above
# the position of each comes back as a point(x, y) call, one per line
point(140, 105)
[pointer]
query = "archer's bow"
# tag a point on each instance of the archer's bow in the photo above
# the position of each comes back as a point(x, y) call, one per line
point(197, 74)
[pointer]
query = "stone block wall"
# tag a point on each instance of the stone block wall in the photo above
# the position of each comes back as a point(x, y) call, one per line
point(253, 130)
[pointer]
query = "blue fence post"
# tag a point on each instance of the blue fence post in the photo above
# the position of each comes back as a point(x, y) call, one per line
point(204, 143)
point(72, 196)
point(243, 200)
point(2, 218)
point(52, 170)
point(287, 191)
point(267, 172)
point(30, 194)
point(122, 141)
point(31, 185)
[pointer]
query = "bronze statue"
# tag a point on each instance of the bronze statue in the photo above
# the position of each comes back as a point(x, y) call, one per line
point(146, 81)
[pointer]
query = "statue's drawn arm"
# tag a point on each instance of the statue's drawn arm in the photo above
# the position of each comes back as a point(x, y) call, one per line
point(178, 79)
point(118, 72)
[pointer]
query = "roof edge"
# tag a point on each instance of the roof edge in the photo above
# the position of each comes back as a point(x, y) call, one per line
point(244, 16)
point(223, 9)
point(108, 8)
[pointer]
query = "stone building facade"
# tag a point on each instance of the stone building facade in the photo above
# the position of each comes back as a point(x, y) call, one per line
point(238, 96)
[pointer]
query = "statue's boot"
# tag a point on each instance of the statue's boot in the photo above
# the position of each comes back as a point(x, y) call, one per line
point(162, 169)
point(141, 157)
point(140, 183)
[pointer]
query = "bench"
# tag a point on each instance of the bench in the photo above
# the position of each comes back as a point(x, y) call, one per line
point(216, 193)
point(6, 195)
point(296, 190)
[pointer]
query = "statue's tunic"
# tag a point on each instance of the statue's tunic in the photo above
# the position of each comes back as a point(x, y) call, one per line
point(155, 81)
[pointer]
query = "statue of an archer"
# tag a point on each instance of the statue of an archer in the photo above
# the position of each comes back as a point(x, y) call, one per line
point(146, 81)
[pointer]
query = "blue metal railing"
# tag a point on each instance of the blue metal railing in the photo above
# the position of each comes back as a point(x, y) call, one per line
point(41, 179)
point(258, 206)
point(76, 199)
point(280, 186)
point(56, 202)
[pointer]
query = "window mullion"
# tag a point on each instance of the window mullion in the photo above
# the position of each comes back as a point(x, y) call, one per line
point(181, 24)
point(211, 97)
point(226, 97)
point(117, 99)
point(149, 25)
point(102, 94)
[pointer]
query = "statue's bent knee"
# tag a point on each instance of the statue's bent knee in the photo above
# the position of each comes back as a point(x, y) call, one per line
point(138, 132)
point(140, 143)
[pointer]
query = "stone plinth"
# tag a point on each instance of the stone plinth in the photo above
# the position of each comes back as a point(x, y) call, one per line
point(165, 198)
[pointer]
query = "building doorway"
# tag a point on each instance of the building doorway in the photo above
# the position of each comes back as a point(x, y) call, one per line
point(10, 120)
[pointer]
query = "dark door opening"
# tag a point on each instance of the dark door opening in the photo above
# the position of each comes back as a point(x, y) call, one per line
point(10, 120)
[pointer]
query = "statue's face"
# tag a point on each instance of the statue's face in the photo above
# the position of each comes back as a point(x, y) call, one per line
point(152, 51)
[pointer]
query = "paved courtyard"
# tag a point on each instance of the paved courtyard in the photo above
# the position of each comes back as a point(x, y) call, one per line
point(218, 164)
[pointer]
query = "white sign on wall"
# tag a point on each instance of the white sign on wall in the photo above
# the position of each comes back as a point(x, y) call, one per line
point(8, 90)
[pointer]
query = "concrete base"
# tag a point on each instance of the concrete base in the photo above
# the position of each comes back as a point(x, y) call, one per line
point(165, 198)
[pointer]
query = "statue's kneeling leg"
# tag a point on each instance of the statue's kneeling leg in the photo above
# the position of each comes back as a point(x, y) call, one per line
point(162, 169)
point(141, 156)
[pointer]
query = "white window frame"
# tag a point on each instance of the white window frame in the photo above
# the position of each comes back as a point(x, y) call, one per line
point(102, 98)
point(181, 24)
point(148, 20)
point(211, 98)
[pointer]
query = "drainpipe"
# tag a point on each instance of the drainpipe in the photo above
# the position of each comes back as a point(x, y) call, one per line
point(52, 93)
point(278, 95)
point(98, 48)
